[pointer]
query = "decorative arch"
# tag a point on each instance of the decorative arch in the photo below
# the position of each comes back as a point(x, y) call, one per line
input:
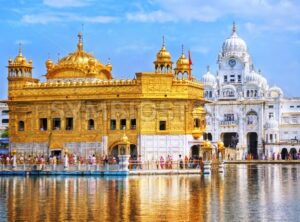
point(252, 117)
point(116, 149)
point(284, 154)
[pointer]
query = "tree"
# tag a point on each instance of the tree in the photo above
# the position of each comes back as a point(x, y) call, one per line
point(5, 133)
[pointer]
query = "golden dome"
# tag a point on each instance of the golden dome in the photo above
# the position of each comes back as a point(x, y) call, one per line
point(79, 64)
point(220, 145)
point(163, 62)
point(206, 144)
point(20, 59)
point(163, 55)
point(197, 133)
point(182, 62)
point(49, 64)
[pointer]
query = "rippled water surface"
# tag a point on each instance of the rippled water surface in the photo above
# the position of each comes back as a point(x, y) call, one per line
point(243, 193)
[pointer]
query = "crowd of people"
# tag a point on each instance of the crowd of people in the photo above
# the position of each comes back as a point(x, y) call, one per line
point(135, 161)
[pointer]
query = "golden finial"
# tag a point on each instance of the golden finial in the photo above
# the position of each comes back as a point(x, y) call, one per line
point(233, 27)
point(163, 45)
point(182, 49)
point(80, 42)
point(58, 55)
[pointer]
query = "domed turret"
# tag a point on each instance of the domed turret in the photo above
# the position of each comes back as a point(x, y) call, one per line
point(49, 64)
point(79, 64)
point(234, 45)
point(253, 77)
point(19, 68)
point(182, 67)
point(20, 59)
point(163, 61)
point(275, 92)
point(109, 65)
point(209, 79)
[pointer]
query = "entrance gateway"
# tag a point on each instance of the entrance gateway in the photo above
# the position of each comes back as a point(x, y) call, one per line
point(252, 144)
point(230, 139)
point(115, 150)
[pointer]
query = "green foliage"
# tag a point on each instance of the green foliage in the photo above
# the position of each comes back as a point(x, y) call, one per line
point(5, 133)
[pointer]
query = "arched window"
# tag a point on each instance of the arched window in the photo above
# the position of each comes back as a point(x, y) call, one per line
point(210, 94)
point(91, 124)
point(197, 123)
point(21, 126)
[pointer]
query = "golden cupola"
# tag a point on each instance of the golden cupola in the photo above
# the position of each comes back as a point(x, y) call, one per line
point(182, 69)
point(19, 68)
point(78, 64)
point(163, 63)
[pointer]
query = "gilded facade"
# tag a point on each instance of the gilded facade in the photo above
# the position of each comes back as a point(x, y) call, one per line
point(82, 108)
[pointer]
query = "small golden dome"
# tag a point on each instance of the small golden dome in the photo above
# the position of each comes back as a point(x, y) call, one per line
point(20, 59)
point(163, 62)
point(9, 61)
point(49, 64)
point(30, 61)
point(163, 55)
point(125, 139)
point(220, 145)
point(109, 65)
point(206, 144)
point(182, 62)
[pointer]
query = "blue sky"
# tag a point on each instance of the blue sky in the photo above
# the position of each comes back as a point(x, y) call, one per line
point(130, 33)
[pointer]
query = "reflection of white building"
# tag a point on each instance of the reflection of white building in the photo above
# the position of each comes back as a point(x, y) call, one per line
point(3, 117)
point(245, 112)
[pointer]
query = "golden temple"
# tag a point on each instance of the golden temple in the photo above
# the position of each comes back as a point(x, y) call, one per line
point(82, 108)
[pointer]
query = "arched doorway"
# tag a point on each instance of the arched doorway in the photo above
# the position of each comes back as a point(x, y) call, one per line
point(119, 149)
point(133, 150)
point(230, 139)
point(293, 152)
point(284, 154)
point(252, 144)
point(195, 150)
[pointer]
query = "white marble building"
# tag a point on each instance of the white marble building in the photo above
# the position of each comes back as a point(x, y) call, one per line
point(244, 111)
point(4, 118)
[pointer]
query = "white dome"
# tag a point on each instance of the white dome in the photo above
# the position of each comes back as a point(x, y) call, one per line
point(234, 44)
point(271, 124)
point(209, 79)
point(275, 91)
point(253, 77)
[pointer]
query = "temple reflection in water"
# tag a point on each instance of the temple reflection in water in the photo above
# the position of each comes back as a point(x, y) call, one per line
point(244, 192)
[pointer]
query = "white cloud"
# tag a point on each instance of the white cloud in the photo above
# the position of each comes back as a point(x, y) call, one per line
point(155, 16)
point(65, 17)
point(39, 19)
point(272, 13)
point(66, 3)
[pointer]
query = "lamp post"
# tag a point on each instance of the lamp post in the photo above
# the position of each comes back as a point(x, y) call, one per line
point(66, 159)
point(222, 151)
point(124, 153)
point(206, 145)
